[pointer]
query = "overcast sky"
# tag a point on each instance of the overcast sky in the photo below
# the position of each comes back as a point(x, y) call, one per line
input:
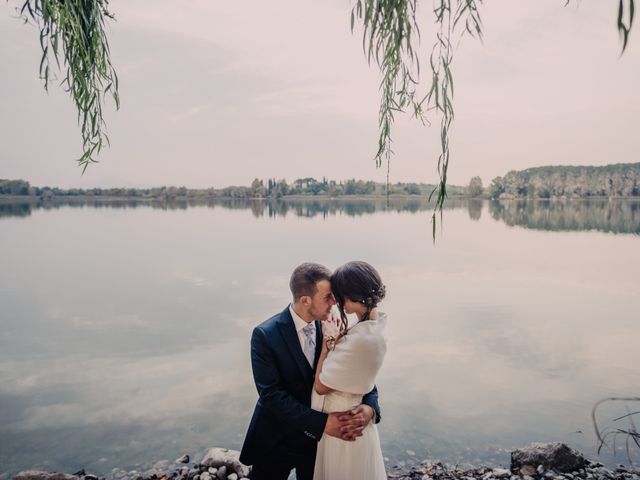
point(216, 93)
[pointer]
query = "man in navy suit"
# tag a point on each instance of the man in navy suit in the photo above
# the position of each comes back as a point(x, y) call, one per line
point(284, 431)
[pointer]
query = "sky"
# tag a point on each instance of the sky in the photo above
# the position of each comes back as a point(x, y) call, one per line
point(218, 93)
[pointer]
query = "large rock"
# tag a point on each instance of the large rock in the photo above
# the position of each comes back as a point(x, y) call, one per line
point(40, 475)
point(557, 456)
point(218, 457)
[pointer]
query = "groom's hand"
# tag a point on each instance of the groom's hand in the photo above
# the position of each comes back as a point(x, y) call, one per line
point(356, 420)
point(336, 422)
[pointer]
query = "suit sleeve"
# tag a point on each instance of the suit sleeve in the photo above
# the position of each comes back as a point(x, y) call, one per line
point(371, 399)
point(275, 397)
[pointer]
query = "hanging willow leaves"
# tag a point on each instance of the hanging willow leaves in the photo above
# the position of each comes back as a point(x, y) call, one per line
point(626, 10)
point(72, 31)
point(391, 38)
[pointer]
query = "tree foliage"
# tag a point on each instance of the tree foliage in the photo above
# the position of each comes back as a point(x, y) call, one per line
point(14, 187)
point(475, 187)
point(308, 186)
point(72, 31)
point(618, 180)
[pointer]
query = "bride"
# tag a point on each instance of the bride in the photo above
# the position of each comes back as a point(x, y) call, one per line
point(349, 362)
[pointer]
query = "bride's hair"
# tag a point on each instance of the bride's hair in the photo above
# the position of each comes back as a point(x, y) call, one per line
point(359, 282)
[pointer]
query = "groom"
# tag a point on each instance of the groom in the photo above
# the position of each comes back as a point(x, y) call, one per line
point(284, 430)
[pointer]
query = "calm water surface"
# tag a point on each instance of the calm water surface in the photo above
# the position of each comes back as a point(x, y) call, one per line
point(125, 327)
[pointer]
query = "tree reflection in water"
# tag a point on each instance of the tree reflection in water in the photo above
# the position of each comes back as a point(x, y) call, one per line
point(605, 215)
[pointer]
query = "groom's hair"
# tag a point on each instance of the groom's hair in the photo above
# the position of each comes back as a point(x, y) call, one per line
point(304, 278)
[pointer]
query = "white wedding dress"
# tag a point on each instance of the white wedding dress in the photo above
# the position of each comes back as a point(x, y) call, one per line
point(351, 370)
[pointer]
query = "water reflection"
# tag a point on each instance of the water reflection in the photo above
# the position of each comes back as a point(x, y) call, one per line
point(474, 206)
point(125, 335)
point(15, 209)
point(615, 216)
point(300, 207)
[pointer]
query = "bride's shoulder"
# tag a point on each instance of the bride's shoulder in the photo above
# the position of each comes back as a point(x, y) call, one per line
point(377, 323)
point(369, 331)
point(382, 316)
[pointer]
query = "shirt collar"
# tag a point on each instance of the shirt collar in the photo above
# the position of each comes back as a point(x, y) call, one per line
point(297, 321)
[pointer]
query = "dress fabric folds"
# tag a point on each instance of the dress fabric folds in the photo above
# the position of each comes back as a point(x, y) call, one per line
point(351, 370)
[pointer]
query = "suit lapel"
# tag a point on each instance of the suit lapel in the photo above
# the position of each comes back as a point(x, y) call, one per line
point(288, 332)
point(318, 344)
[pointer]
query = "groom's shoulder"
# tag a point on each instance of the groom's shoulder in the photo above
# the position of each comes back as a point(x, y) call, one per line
point(271, 323)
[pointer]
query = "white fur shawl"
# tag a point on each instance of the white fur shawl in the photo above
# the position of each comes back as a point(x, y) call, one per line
point(353, 365)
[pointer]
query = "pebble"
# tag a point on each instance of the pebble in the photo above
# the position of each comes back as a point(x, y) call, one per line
point(222, 473)
point(183, 459)
point(412, 469)
point(501, 472)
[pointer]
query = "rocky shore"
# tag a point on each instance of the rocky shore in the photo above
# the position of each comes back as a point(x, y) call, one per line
point(549, 461)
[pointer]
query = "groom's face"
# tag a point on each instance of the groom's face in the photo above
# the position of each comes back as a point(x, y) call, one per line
point(322, 300)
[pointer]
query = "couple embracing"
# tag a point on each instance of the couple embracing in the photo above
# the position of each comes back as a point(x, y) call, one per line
point(315, 373)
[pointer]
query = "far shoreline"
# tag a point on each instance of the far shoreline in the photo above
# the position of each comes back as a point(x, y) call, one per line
point(111, 198)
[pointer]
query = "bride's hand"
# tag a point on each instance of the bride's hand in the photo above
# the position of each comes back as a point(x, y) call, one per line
point(331, 325)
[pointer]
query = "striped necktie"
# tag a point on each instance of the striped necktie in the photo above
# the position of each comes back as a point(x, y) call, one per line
point(310, 342)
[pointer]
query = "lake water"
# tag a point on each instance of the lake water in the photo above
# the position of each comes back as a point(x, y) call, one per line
point(125, 326)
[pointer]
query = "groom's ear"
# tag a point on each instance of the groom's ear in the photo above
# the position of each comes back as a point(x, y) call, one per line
point(305, 300)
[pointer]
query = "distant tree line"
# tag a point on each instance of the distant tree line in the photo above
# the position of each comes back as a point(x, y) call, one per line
point(272, 188)
point(16, 187)
point(619, 180)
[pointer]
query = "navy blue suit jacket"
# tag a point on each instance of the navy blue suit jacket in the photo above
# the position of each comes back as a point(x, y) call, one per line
point(284, 379)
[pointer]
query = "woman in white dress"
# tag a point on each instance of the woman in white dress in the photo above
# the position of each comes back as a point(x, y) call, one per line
point(350, 360)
